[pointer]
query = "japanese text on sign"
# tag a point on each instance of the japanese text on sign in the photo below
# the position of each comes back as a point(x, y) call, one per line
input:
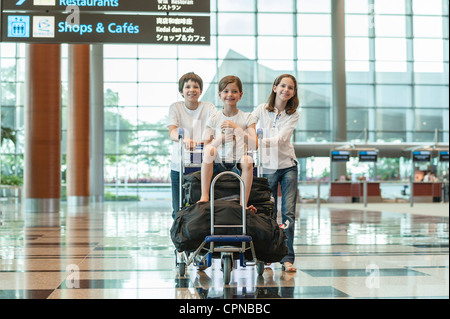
point(99, 28)
point(199, 6)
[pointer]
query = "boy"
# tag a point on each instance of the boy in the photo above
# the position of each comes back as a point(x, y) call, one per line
point(191, 115)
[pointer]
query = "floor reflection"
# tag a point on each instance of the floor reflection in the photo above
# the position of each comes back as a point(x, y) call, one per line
point(124, 250)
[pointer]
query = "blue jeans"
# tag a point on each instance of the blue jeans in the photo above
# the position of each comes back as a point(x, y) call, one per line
point(224, 167)
point(288, 179)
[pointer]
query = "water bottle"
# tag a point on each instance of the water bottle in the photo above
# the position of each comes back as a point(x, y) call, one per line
point(229, 147)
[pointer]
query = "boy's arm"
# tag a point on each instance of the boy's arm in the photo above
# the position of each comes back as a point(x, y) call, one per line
point(174, 124)
point(173, 135)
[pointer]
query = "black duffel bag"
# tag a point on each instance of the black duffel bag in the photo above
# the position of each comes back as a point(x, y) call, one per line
point(193, 223)
point(225, 186)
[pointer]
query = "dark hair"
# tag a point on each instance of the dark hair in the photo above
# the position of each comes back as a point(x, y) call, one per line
point(228, 80)
point(189, 76)
point(293, 102)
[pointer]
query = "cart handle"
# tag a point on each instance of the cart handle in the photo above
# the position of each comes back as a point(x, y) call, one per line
point(259, 133)
point(211, 197)
point(181, 175)
point(180, 133)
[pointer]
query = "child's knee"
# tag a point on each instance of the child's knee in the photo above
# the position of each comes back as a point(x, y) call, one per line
point(210, 150)
point(209, 154)
point(246, 162)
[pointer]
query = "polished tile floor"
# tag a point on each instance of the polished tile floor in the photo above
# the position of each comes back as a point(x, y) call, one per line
point(123, 250)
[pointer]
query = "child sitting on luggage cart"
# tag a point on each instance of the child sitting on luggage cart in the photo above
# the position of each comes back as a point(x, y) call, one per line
point(228, 137)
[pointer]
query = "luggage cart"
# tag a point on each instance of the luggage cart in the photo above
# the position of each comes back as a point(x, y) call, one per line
point(196, 158)
point(195, 162)
point(228, 247)
point(227, 253)
point(182, 259)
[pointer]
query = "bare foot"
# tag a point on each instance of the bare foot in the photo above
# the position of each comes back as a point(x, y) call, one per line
point(252, 208)
point(203, 199)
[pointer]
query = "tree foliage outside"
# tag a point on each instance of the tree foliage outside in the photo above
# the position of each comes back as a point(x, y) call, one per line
point(7, 134)
point(134, 153)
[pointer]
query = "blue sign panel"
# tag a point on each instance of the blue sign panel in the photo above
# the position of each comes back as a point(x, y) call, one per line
point(200, 6)
point(18, 26)
point(368, 156)
point(421, 156)
point(340, 156)
point(102, 28)
point(88, 21)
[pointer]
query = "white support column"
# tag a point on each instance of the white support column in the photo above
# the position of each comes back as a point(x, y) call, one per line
point(339, 99)
point(97, 124)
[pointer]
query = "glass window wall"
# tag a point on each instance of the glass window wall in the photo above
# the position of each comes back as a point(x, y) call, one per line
point(396, 71)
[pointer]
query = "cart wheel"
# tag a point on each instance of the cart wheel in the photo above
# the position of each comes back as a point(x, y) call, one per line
point(260, 268)
point(227, 263)
point(182, 269)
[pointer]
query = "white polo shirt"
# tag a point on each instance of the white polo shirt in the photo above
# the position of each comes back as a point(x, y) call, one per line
point(192, 121)
point(278, 151)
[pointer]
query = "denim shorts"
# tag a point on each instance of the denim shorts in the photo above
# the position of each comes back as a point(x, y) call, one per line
point(224, 167)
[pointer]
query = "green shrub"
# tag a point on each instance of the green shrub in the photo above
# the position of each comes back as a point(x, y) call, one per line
point(113, 197)
point(11, 180)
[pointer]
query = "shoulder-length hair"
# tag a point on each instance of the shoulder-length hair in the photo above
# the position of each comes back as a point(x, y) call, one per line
point(293, 102)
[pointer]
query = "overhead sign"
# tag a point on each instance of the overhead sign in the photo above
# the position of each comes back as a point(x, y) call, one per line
point(443, 156)
point(103, 28)
point(340, 156)
point(368, 156)
point(421, 156)
point(110, 5)
point(106, 21)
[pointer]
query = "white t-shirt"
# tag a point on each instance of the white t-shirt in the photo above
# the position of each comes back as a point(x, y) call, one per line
point(229, 152)
point(192, 121)
point(278, 151)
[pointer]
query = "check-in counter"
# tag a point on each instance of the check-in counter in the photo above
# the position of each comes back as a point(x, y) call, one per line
point(340, 192)
point(424, 192)
point(347, 192)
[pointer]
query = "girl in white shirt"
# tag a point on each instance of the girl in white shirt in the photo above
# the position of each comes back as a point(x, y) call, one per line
point(278, 118)
point(230, 133)
point(191, 115)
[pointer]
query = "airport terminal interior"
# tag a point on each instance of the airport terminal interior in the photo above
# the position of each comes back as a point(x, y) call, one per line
point(124, 251)
point(85, 188)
